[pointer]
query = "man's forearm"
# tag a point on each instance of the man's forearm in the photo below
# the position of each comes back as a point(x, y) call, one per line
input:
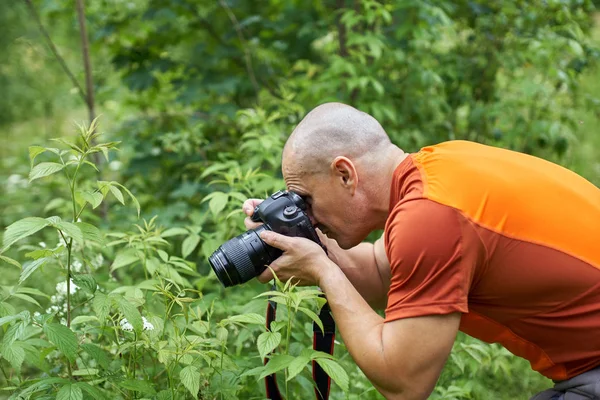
point(361, 328)
point(360, 267)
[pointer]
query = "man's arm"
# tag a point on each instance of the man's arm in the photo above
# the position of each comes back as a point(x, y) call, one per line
point(402, 358)
point(366, 266)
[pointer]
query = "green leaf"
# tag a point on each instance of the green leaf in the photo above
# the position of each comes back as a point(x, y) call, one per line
point(32, 291)
point(85, 372)
point(44, 169)
point(35, 151)
point(251, 318)
point(117, 193)
point(97, 353)
point(39, 385)
point(90, 232)
point(86, 282)
point(135, 201)
point(335, 371)
point(31, 266)
point(163, 255)
point(312, 316)
point(93, 391)
point(132, 315)
point(94, 198)
point(70, 229)
point(26, 298)
point(69, 392)
point(10, 261)
point(123, 259)
point(297, 365)
point(138, 386)
point(9, 318)
point(276, 363)
point(64, 338)
point(267, 342)
point(21, 229)
point(218, 202)
point(190, 377)
point(82, 319)
point(14, 333)
point(174, 232)
point(189, 244)
point(14, 354)
point(101, 305)
point(54, 204)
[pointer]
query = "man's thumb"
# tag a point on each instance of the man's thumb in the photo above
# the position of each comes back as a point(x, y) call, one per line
point(275, 239)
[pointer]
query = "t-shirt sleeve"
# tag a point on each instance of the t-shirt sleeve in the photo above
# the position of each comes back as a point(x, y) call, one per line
point(430, 274)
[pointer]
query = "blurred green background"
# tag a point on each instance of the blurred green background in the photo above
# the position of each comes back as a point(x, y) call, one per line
point(203, 94)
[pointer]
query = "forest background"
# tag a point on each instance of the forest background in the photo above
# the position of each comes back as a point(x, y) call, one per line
point(106, 290)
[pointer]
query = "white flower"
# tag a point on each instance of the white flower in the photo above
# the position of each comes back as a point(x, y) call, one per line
point(147, 325)
point(115, 165)
point(98, 260)
point(125, 325)
point(155, 151)
point(63, 321)
point(42, 245)
point(77, 265)
point(61, 288)
point(16, 181)
point(36, 314)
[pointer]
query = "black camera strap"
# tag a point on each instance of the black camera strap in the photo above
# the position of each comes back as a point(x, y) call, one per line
point(322, 341)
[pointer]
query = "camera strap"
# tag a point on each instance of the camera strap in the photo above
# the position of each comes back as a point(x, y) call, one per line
point(322, 341)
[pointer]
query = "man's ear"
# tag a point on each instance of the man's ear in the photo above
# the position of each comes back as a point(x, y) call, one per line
point(345, 172)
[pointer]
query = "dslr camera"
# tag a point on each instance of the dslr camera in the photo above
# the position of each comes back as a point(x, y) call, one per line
point(247, 256)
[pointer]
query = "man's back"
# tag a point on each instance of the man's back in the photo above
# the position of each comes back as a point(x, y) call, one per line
point(523, 263)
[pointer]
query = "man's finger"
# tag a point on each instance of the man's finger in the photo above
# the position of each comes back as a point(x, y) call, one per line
point(265, 276)
point(276, 240)
point(249, 206)
point(251, 224)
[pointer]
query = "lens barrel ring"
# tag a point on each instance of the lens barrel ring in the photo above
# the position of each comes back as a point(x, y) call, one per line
point(238, 256)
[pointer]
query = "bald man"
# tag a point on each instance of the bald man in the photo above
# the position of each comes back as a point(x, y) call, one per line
point(501, 245)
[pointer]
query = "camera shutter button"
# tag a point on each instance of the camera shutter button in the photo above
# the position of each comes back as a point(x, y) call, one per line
point(290, 211)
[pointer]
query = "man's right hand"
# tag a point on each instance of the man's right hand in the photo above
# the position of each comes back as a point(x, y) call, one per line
point(248, 208)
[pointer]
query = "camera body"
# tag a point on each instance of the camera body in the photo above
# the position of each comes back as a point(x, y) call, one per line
point(246, 256)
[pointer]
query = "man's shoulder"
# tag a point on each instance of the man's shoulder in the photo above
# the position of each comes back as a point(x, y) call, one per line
point(421, 224)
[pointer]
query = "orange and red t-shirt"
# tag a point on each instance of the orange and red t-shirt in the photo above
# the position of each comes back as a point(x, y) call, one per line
point(510, 241)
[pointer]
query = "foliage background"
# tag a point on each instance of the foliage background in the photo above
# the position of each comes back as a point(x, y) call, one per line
point(202, 95)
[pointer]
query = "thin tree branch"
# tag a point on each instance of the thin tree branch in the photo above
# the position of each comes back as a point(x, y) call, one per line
point(54, 50)
point(341, 29)
point(240, 34)
point(87, 65)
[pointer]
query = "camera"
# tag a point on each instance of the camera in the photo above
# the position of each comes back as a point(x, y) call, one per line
point(246, 256)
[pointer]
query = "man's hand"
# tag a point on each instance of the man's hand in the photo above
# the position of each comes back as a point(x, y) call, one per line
point(302, 259)
point(248, 208)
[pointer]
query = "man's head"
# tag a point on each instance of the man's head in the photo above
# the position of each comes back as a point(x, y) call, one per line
point(337, 158)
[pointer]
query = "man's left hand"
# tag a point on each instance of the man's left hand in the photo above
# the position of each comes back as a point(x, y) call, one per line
point(302, 259)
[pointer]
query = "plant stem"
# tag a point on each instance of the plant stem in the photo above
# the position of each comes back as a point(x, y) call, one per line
point(287, 343)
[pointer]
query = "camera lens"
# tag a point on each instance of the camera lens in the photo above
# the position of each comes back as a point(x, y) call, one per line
point(242, 258)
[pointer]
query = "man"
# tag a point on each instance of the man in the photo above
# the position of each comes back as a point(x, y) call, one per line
point(498, 244)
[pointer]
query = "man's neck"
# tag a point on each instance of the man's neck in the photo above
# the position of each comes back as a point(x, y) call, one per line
point(382, 187)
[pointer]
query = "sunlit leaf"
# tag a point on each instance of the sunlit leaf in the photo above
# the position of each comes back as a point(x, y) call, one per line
point(21, 229)
point(190, 377)
point(44, 169)
point(267, 342)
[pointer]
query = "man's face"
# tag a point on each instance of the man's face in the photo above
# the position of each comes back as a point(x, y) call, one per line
point(329, 206)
